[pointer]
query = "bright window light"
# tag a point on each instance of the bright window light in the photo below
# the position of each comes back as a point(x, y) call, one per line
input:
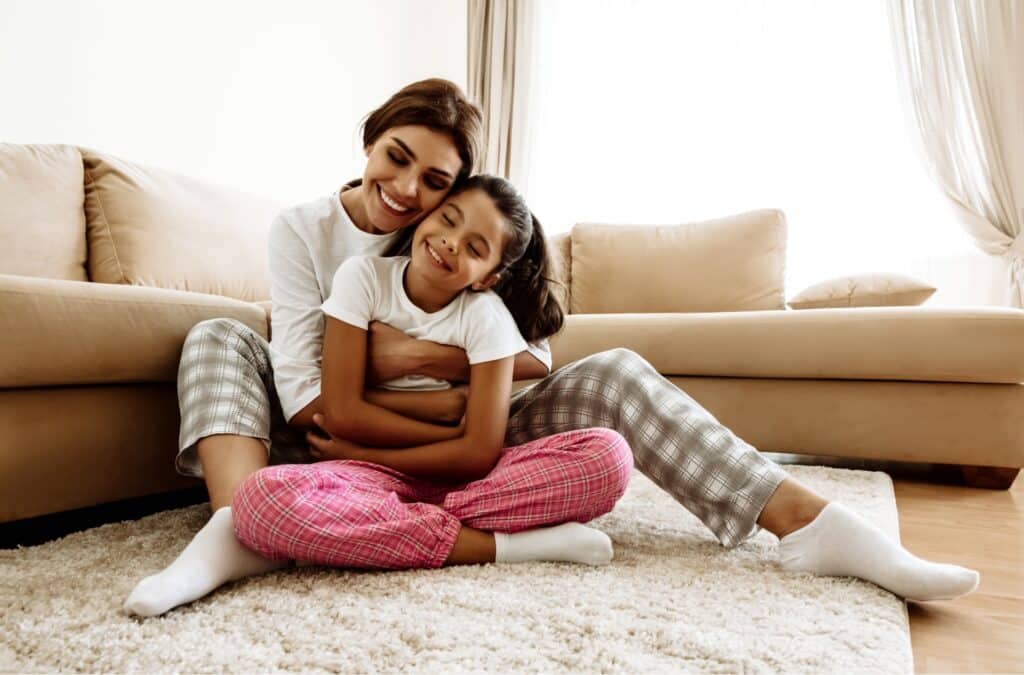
point(669, 112)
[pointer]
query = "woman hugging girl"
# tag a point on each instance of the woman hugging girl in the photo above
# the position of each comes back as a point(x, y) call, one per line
point(402, 493)
point(397, 491)
point(418, 478)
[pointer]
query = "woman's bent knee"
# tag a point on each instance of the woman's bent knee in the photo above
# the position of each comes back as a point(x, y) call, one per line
point(214, 329)
point(213, 336)
point(614, 366)
point(626, 359)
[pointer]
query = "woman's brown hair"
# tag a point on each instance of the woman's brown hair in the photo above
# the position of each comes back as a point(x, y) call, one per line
point(437, 104)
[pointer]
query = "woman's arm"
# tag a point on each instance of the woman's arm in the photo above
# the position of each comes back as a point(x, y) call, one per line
point(296, 318)
point(393, 354)
point(347, 412)
point(468, 457)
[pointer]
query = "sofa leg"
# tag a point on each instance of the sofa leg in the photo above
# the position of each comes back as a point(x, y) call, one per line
point(989, 477)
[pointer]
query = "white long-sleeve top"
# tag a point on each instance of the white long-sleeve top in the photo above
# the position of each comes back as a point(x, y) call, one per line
point(307, 244)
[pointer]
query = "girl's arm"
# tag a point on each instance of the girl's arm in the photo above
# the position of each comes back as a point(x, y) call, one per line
point(347, 412)
point(446, 406)
point(393, 354)
point(468, 457)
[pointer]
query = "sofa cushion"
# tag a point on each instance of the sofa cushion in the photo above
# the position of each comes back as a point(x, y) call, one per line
point(151, 227)
point(927, 344)
point(62, 333)
point(42, 227)
point(863, 290)
point(724, 265)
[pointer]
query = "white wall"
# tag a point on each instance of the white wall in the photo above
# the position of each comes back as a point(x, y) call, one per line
point(262, 96)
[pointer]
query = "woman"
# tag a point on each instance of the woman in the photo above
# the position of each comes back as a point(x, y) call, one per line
point(244, 401)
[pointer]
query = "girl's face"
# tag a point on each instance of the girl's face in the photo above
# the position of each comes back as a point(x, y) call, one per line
point(409, 170)
point(460, 244)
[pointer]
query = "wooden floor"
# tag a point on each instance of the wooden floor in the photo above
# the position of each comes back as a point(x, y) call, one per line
point(983, 529)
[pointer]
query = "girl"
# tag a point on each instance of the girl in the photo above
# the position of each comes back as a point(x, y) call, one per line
point(437, 501)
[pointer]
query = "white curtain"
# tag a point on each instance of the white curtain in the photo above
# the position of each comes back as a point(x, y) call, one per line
point(961, 64)
point(498, 75)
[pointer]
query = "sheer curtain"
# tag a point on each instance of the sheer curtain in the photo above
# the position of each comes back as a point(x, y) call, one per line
point(498, 72)
point(663, 112)
point(962, 64)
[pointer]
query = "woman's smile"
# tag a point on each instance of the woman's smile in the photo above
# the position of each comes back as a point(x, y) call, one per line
point(391, 204)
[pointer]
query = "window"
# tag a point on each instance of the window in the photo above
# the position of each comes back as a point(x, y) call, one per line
point(668, 112)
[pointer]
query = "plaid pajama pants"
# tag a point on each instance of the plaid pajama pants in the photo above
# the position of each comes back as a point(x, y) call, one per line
point(226, 385)
point(356, 514)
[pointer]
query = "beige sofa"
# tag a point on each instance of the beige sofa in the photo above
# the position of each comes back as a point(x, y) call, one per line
point(105, 265)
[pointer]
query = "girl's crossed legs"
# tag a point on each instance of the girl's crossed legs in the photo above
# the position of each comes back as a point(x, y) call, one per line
point(356, 514)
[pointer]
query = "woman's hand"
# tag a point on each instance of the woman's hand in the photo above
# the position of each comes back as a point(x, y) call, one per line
point(388, 351)
point(390, 354)
point(331, 447)
point(457, 398)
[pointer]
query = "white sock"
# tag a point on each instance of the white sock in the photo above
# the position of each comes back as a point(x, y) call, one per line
point(840, 542)
point(212, 558)
point(568, 542)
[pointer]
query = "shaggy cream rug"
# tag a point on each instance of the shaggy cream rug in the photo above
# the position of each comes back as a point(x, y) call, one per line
point(672, 600)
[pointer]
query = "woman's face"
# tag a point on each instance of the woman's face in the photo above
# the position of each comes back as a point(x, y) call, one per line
point(409, 170)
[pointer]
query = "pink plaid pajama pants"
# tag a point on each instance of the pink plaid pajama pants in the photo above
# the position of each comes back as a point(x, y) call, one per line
point(356, 514)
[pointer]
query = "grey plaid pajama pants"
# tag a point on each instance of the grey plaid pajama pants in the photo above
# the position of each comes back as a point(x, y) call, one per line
point(226, 386)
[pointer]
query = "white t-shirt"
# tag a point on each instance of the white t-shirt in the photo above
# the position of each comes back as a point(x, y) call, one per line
point(369, 289)
point(307, 244)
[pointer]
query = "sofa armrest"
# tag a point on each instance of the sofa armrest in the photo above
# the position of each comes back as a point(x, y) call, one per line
point(56, 332)
point(944, 344)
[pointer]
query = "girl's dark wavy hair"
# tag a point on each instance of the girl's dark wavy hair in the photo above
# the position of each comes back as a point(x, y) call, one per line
point(526, 281)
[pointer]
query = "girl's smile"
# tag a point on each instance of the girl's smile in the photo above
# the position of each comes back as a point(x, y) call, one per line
point(437, 257)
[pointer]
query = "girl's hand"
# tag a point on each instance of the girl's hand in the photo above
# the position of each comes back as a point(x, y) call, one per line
point(331, 447)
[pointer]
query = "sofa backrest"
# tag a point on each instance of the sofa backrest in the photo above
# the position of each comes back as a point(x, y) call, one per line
point(729, 264)
point(151, 227)
point(42, 227)
point(560, 251)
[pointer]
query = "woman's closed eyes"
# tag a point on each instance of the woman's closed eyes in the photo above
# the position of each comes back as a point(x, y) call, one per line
point(430, 181)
